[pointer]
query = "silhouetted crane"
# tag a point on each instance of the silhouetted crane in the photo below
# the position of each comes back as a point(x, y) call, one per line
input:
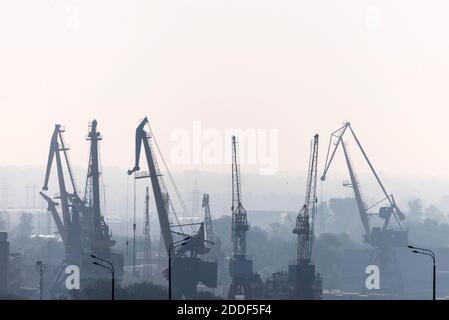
point(188, 269)
point(307, 284)
point(381, 238)
point(100, 238)
point(241, 268)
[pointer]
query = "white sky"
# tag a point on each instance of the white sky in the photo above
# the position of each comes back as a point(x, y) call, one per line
point(297, 66)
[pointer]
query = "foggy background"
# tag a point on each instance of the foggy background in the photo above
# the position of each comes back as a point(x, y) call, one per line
point(298, 66)
point(295, 67)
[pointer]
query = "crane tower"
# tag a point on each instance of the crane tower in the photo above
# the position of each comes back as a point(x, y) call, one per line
point(307, 283)
point(100, 237)
point(241, 268)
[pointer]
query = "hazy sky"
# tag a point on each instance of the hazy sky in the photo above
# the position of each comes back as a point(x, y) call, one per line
point(297, 66)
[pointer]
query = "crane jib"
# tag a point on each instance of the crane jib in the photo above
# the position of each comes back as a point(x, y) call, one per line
point(363, 211)
point(142, 138)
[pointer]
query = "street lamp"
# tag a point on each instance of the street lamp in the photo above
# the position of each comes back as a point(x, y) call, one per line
point(110, 268)
point(431, 254)
point(170, 249)
point(41, 268)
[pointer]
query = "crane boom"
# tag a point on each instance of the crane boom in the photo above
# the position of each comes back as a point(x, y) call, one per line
point(142, 137)
point(357, 194)
point(54, 154)
point(147, 211)
point(330, 155)
point(385, 212)
point(58, 144)
point(69, 226)
point(338, 134)
point(59, 224)
point(399, 215)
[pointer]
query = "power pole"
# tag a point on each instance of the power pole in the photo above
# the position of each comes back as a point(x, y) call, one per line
point(147, 272)
point(27, 187)
point(5, 195)
point(134, 230)
point(34, 195)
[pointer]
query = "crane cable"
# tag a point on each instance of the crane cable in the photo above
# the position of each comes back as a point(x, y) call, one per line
point(100, 167)
point(322, 207)
point(175, 187)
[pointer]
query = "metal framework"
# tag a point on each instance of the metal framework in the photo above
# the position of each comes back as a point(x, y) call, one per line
point(69, 226)
point(142, 137)
point(209, 228)
point(385, 213)
point(82, 226)
point(239, 216)
point(306, 217)
point(241, 269)
point(100, 237)
point(188, 269)
point(384, 238)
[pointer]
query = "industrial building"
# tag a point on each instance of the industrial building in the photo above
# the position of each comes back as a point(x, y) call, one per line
point(10, 268)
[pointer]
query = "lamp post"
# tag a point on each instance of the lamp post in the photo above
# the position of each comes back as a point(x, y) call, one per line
point(41, 268)
point(431, 254)
point(110, 268)
point(170, 250)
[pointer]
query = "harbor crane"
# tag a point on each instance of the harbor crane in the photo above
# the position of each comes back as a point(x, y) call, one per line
point(308, 286)
point(305, 221)
point(69, 226)
point(82, 227)
point(188, 270)
point(241, 268)
point(99, 234)
point(383, 238)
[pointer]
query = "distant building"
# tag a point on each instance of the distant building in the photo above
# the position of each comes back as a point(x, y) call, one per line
point(4, 261)
point(10, 265)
